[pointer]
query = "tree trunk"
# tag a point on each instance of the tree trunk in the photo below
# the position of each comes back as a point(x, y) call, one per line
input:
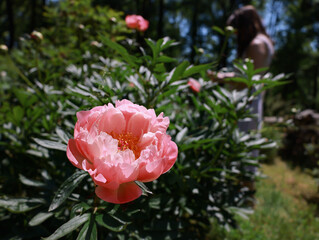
point(194, 30)
point(315, 86)
point(33, 15)
point(11, 22)
point(160, 19)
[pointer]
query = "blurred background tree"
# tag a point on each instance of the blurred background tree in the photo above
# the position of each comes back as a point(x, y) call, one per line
point(292, 24)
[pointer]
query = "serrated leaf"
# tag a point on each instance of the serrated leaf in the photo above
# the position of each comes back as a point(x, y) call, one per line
point(20, 205)
point(40, 218)
point(66, 189)
point(110, 223)
point(69, 226)
point(50, 144)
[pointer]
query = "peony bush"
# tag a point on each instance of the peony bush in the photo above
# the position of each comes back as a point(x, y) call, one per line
point(100, 106)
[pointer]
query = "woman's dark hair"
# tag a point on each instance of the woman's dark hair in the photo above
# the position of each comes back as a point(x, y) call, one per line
point(248, 24)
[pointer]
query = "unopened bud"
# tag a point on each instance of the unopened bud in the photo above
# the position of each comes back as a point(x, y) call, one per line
point(230, 29)
point(96, 44)
point(201, 50)
point(3, 49)
point(113, 19)
point(81, 26)
point(37, 36)
point(3, 74)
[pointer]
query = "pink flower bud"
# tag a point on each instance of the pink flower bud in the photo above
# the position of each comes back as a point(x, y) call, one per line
point(194, 85)
point(136, 22)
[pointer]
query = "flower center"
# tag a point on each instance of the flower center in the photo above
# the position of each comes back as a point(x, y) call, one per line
point(127, 141)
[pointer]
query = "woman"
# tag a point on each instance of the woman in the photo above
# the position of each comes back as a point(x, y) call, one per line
point(252, 42)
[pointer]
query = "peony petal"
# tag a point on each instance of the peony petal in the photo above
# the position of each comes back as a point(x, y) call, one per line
point(150, 166)
point(74, 154)
point(171, 154)
point(100, 178)
point(112, 121)
point(125, 193)
point(146, 140)
point(139, 124)
point(131, 21)
point(142, 25)
point(160, 124)
point(151, 171)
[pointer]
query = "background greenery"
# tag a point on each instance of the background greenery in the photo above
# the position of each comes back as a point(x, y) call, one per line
point(293, 25)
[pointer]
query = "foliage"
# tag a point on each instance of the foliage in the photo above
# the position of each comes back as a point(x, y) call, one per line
point(296, 38)
point(280, 214)
point(47, 82)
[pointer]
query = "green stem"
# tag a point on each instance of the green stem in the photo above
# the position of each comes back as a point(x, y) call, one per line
point(222, 51)
point(37, 64)
point(19, 72)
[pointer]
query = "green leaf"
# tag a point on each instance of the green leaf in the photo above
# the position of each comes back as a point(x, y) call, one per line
point(120, 49)
point(165, 59)
point(159, 68)
point(181, 134)
point(154, 47)
point(179, 70)
point(66, 189)
point(88, 231)
point(18, 113)
point(259, 70)
point(25, 98)
point(50, 144)
point(238, 79)
point(219, 30)
point(111, 223)
point(144, 188)
point(30, 182)
point(62, 135)
point(69, 226)
point(196, 69)
point(167, 43)
point(40, 218)
point(20, 205)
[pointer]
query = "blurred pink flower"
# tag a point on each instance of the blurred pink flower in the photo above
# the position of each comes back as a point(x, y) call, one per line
point(194, 85)
point(119, 145)
point(136, 22)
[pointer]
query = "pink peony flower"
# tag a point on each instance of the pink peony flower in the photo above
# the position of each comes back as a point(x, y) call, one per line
point(119, 145)
point(136, 22)
point(194, 85)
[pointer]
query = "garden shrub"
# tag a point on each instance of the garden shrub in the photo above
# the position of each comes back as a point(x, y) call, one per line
point(47, 82)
